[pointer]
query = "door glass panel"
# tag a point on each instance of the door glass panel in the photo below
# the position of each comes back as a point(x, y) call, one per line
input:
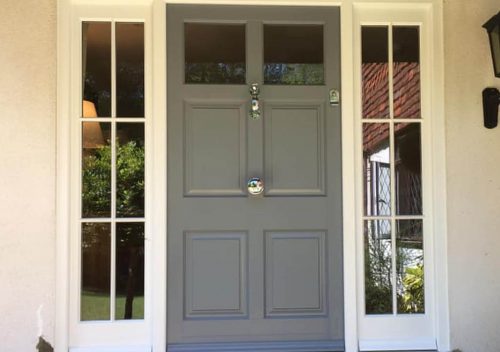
point(96, 64)
point(129, 69)
point(214, 53)
point(410, 266)
point(408, 169)
point(96, 260)
point(130, 170)
point(378, 267)
point(376, 169)
point(96, 169)
point(129, 271)
point(374, 71)
point(293, 54)
point(406, 72)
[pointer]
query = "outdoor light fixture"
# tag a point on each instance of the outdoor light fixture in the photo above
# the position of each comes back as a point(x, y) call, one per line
point(491, 100)
point(491, 96)
point(493, 29)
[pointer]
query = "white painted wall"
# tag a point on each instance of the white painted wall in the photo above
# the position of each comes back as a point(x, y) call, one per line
point(473, 162)
point(27, 172)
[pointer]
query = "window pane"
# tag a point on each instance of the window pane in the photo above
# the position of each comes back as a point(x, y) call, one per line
point(410, 266)
point(129, 69)
point(408, 169)
point(129, 271)
point(96, 65)
point(374, 71)
point(96, 169)
point(293, 54)
point(406, 72)
point(378, 267)
point(130, 170)
point(376, 169)
point(214, 53)
point(96, 263)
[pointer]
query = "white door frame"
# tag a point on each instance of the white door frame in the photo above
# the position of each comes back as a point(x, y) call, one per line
point(156, 45)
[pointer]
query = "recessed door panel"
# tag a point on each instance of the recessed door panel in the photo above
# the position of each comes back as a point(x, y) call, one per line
point(294, 148)
point(216, 279)
point(215, 148)
point(295, 273)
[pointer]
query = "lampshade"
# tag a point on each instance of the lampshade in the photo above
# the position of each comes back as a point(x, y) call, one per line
point(88, 109)
point(493, 28)
point(91, 131)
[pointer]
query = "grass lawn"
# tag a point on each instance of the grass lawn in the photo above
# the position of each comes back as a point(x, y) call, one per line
point(95, 306)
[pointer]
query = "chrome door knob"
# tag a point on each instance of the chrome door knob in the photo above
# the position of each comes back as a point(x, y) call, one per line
point(255, 186)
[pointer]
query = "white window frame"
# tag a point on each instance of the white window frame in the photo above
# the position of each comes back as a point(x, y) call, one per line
point(398, 331)
point(68, 103)
point(132, 335)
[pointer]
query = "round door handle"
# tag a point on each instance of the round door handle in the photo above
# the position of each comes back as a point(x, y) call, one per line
point(255, 186)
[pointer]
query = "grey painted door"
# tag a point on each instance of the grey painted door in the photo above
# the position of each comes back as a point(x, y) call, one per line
point(243, 267)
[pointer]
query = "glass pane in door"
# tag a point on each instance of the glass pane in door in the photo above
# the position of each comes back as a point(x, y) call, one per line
point(214, 53)
point(293, 54)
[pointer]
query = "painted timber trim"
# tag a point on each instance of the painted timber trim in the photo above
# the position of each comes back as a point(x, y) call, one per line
point(288, 346)
point(398, 345)
point(112, 349)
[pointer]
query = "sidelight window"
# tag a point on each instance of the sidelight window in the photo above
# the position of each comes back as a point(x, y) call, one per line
point(112, 171)
point(392, 172)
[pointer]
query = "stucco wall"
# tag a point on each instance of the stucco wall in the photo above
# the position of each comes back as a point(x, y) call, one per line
point(473, 162)
point(27, 172)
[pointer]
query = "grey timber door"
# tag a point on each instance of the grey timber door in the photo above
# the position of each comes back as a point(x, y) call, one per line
point(242, 267)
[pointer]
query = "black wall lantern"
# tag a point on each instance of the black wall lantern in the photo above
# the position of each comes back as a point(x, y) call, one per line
point(491, 96)
point(493, 28)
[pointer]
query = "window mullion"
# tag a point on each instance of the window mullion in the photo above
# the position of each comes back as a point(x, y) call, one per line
point(114, 147)
point(392, 171)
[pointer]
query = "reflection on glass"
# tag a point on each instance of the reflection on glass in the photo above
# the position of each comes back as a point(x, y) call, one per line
point(374, 71)
point(408, 169)
point(378, 266)
point(96, 169)
point(96, 65)
point(130, 170)
point(376, 169)
point(129, 271)
point(410, 266)
point(96, 259)
point(129, 69)
point(214, 53)
point(406, 72)
point(293, 54)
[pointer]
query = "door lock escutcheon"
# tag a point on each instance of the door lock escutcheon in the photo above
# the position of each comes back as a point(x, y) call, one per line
point(254, 105)
point(334, 97)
